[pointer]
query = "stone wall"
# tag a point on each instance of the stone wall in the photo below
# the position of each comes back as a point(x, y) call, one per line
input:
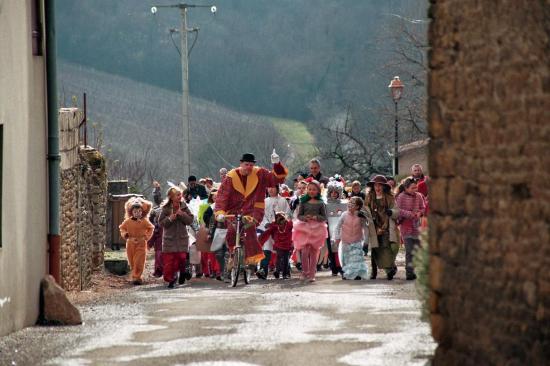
point(83, 206)
point(489, 103)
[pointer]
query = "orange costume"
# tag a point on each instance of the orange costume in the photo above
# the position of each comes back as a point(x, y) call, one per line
point(136, 231)
point(245, 195)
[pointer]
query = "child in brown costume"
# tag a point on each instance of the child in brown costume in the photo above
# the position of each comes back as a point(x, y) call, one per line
point(137, 230)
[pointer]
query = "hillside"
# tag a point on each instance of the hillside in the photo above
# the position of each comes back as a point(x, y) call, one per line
point(141, 128)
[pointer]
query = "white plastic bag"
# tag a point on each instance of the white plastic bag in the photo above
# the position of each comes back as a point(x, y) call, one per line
point(218, 240)
point(194, 255)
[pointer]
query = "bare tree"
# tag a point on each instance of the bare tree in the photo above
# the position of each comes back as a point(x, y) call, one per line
point(359, 151)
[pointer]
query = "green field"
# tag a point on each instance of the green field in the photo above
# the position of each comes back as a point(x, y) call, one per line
point(299, 138)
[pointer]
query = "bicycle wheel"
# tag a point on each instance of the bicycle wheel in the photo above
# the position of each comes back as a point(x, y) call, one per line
point(237, 266)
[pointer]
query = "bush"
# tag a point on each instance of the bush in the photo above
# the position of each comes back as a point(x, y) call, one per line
point(422, 269)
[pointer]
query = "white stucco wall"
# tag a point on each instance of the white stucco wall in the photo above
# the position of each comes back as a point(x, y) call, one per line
point(23, 256)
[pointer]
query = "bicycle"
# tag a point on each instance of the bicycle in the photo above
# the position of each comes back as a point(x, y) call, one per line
point(236, 260)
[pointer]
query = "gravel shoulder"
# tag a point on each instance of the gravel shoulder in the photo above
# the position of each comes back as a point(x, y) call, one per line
point(205, 322)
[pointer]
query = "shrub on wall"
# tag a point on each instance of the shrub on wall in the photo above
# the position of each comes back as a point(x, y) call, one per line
point(421, 266)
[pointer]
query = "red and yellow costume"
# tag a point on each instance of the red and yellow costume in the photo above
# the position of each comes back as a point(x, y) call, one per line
point(245, 195)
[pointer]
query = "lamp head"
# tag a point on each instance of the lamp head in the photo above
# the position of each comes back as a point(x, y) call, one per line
point(154, 10)
point(396, 87)
point(213, 9)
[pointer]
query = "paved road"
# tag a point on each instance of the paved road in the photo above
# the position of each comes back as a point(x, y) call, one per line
point(275, 322)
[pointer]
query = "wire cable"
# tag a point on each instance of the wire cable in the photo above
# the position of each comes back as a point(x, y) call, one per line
point(174, 42)
point(196, 31)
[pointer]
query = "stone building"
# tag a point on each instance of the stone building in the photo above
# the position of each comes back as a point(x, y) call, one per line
point(413, 153)
point(23, 165)
point(31, 197)
point(489, 123)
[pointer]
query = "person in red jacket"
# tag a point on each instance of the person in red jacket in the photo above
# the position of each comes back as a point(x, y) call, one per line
point(281, 232)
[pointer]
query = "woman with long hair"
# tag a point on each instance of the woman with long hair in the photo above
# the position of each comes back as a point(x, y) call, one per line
point(383, 232)
point(174, 218)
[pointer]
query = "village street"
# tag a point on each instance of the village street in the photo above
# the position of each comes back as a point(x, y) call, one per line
point(331, 322)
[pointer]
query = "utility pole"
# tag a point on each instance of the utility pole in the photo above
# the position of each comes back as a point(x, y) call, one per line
point(185, 78)
point(185, 94)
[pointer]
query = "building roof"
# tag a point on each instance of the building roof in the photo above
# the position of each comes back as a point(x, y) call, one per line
point(413, 145)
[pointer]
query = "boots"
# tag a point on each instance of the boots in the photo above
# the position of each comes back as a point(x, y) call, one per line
point(391, 273)
point(374, 271)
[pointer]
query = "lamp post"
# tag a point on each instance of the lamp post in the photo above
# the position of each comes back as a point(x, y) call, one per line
point(396, 88)
point(185, 77)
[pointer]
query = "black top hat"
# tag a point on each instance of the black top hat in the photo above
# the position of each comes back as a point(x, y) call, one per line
point(249, 158)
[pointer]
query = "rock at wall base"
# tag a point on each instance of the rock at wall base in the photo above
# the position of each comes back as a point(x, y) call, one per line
point(56, 309)
point(117, 266)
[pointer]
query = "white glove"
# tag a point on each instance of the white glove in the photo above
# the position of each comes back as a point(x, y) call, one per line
point(275, 158)
point(220, 218)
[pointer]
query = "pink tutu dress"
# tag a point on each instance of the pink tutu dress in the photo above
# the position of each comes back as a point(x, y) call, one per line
point(306, 232)
point(313, 233)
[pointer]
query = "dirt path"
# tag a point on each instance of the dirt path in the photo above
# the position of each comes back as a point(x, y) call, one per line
point(276, 322)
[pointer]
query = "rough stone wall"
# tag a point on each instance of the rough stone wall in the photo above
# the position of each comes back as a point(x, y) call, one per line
point(489, 122)
point(83, 205)
point(70, 268)
point(95, 178)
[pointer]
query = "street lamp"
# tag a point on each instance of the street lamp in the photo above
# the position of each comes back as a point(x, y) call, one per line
point(185, 76)
point(396, 88)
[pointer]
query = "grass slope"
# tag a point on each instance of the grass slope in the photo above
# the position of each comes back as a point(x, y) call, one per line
point(301, 142)
point(138, 117)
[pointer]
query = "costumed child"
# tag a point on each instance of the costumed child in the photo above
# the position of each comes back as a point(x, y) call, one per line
point(273, 203)
point(336, 206)
point(156, 240)
point(326, 251)
point(412, 208)
point(174, 218)
point(209, 263)
point(310, 229)
point(301, 187)
point(383, 232)
point(351, 233)
point(280, 230)
point(137, 230)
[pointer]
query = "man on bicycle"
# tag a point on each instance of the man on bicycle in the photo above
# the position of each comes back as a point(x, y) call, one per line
point(242, 191)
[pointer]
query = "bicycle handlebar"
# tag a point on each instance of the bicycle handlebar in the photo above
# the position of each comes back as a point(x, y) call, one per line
point(244, 217)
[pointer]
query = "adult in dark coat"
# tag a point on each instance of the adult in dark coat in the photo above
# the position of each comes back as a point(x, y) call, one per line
point(195, 190)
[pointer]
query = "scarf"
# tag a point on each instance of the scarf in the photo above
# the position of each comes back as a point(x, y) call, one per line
point(378, 209)
point(306, 197)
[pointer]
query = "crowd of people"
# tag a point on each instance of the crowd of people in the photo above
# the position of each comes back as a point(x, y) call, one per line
point(321, 223)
